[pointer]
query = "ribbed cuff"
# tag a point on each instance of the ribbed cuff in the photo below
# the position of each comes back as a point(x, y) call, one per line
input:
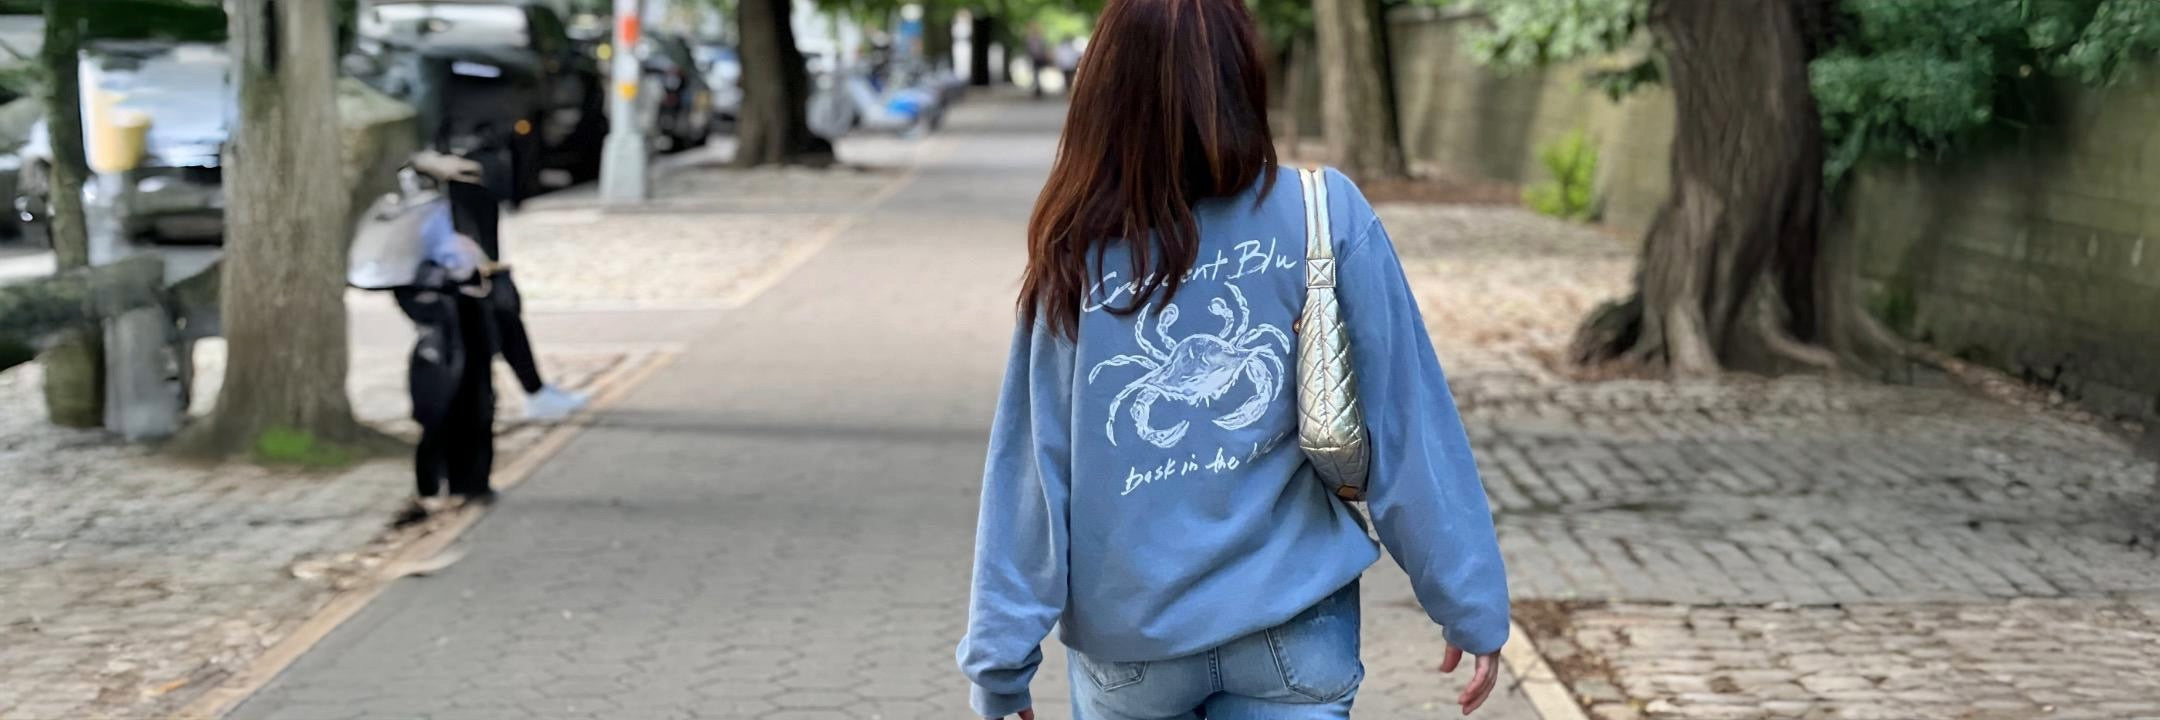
point(996, 704)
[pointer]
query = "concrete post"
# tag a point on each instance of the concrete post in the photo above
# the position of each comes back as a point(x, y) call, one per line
point(623, 171)
point(142, 394)
point(142, 401)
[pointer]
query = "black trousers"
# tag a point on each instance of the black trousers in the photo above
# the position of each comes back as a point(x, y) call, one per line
point(476, 212)
point(516, 348)
point(453, 391)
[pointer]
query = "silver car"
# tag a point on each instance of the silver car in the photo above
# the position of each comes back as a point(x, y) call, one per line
point(176, 192)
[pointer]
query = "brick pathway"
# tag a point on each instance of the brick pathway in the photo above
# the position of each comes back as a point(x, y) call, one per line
point(2053, 658)
point(1797, 547)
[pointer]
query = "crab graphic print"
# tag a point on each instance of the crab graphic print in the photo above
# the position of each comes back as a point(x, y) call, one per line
point(1198, 369)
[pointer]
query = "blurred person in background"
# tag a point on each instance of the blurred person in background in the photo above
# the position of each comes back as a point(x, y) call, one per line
point(1068, 61)
point(476, 209)
point(1145, 490)
point(1038, 52)
point(450, 378)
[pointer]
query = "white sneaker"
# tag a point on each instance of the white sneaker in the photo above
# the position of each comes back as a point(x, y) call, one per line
point(553, 403)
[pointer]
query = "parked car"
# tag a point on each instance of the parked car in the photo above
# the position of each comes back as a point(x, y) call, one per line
point(17, 117)
point(681, 102)
point(176, 192)
point(723, 74)
point(507, 68)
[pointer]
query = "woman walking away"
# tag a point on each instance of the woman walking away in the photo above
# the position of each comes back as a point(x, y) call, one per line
point(1146, 489)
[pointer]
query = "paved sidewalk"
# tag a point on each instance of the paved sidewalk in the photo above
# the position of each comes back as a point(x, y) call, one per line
point(134, 581)
point(779, 524)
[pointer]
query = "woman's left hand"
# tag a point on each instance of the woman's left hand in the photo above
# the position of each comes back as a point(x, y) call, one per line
point(1026, 714)
point(1481, 681)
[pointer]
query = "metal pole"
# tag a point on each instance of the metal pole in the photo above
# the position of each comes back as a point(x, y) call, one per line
point(623, 172)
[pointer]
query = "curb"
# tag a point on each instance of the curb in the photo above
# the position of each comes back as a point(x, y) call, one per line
point(243, 684)
point(1548, 697)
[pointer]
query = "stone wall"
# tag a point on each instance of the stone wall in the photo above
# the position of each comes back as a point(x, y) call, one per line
point(1462, 119)
point(2039, 259)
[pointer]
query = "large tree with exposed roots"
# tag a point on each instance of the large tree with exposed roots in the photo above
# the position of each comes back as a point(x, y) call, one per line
point(1777, 100)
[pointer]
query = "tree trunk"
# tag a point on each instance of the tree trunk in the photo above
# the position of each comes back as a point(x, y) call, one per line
point(282, 302)
point(982, 31)
point(1295, 93)
point(1357, 99)
point(75, 366)
point(1730, 270)
point(63, 113)
point(937, 38)
point(775, 127)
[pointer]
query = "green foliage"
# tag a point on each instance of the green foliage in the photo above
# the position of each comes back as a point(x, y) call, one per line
point(1572, 162)
point(2120, 32)
point(21, 78)
point(1894, 306)
point(187, 20)
point(1059, 23)
point(1619, 82)
point(1282, 22)
point(287, 446)
point(1533, 33)
point(14, 352)
point(1925, 80)
point(1899, 78)
point(1057, 18)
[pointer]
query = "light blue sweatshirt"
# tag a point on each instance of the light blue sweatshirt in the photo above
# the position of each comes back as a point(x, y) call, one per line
point(1145, 490)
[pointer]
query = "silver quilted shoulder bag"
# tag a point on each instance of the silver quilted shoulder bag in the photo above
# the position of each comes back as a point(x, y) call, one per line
point(1331, 419)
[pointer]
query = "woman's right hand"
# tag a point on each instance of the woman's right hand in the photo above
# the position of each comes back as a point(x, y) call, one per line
point(1027, 714)
point(1481, 681)
point(447, 168)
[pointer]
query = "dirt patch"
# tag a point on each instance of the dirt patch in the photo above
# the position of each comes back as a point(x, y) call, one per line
point(1428, 187)
point(1551, 626)
point(1440, 190)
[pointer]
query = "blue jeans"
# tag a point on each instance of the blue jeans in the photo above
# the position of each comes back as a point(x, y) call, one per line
point(1306, 668)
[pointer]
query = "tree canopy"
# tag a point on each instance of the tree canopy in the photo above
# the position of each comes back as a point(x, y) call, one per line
point(1282, 21)
point(188, 20)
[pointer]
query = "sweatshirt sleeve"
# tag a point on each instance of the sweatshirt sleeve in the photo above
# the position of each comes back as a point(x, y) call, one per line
point(1021, 535)
point(1424, 494)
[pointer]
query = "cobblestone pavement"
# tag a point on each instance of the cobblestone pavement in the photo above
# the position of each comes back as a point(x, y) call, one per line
point(1828, 548)
point(777, 525)
point(132, 580)
point(709, 237)
point(582, 259)
point(2037, 658)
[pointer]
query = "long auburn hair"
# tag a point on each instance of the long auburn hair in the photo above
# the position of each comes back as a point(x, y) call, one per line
point(1168, 107)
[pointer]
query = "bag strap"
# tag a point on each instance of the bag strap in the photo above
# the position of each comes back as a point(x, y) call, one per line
point(1319, 236)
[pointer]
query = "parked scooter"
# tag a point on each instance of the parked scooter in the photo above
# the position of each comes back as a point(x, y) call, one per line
point(852, 101)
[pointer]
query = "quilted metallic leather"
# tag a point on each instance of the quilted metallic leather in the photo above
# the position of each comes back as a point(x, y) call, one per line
point(1331, 420)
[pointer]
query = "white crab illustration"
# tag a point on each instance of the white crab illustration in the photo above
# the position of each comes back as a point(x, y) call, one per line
point(1199, 369)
